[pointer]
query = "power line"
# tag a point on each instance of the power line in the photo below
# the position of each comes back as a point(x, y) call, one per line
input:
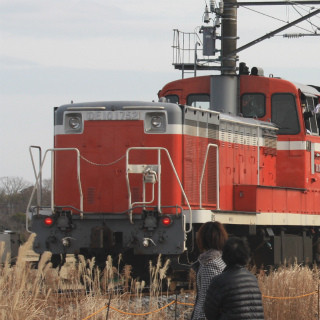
point(271, 34)
point(301, 4)
point(309, 21)
point(305, 3)
point(275, 3)
point(272, 17)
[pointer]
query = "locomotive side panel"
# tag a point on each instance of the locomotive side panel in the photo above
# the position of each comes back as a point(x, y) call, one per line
point(200, 165)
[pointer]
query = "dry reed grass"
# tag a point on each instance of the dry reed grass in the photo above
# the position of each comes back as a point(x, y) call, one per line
point(35, 293)
point(290, 286)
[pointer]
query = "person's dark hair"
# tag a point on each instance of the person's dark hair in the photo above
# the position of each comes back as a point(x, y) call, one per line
point(211, 235)
point(236, 251)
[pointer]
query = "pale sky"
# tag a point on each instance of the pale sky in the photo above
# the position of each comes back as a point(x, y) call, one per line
point(53, 52)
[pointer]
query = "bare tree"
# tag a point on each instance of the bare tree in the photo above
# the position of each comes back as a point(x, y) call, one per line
point(11, 194)
point(46, 192)
point(13, 185)
point(15, 194)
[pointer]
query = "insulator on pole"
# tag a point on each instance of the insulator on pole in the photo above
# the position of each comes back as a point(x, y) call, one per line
point(299, 35)
point(206, 17)
point(221, 7)
point(212, 6)
point(293, 35)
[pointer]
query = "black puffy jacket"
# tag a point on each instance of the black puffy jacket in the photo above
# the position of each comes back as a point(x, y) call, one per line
point(234, 294)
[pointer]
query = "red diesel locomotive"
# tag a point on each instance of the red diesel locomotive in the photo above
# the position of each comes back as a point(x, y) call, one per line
point(142, 177)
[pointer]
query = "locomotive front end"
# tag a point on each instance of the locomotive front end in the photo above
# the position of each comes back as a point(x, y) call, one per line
point(117, 186)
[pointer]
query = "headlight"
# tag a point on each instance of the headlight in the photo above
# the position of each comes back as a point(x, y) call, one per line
point(73, 123)
point(155, 122)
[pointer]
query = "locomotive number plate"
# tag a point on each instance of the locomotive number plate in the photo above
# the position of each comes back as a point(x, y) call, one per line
point(112, 115)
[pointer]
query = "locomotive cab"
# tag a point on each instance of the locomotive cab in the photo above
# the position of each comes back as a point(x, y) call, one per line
point(287, 187)
point(288, 105)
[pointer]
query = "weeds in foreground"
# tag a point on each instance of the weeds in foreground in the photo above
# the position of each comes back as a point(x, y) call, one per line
point(35, 293)
point(78, 290)
point(290, 292)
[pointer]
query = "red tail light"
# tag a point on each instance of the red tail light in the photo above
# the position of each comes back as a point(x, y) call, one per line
point(48, 221)
point(166, 221)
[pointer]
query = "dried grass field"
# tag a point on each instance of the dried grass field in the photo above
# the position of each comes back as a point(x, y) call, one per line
point(80, 291)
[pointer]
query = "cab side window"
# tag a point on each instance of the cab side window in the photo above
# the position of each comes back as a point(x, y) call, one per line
point(199, 100)
point(253, 105)
point(312, 121)
point(172, 98)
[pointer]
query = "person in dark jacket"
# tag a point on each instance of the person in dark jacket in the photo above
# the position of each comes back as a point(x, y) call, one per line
point(211, 238)
point(235, 293)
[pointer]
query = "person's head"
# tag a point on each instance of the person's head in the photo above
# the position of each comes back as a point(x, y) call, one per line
point(236, 252)
point(211, 235)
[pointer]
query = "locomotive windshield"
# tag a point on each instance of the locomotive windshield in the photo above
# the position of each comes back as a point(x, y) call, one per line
point(253, 105)
point(284, 113)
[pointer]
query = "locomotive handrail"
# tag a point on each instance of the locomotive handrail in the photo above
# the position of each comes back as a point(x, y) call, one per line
point(78, 176)
point(38, 183)
point(37, 186)
point(159, 181)
point(210, 145)
point(144, 200)
point(52, 181)
point(128, 182)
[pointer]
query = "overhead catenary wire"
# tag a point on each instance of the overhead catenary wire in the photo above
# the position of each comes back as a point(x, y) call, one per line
point(272, 17)
point(274, 32)
point(308, 20)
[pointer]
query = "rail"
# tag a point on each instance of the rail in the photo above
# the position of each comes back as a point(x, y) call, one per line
point(210, 145)
point(143, 168)
point(38, 178)
point(175, 301)
point(108, 306)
